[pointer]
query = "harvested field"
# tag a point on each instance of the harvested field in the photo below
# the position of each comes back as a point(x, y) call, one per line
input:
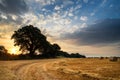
point(60, 69)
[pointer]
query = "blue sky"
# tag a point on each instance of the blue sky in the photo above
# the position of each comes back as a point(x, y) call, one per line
point(89, 27)
point(92, 9)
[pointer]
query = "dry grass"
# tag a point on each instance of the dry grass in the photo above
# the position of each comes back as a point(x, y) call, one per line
point(60, 69)
point(86, 69)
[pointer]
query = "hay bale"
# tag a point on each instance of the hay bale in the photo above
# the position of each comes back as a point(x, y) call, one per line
point(113, 59)
point(101, 58)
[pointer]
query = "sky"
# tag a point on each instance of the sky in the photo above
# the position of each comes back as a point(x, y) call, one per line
point(89, 27)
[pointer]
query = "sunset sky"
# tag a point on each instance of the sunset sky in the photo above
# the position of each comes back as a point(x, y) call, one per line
point(89, 27)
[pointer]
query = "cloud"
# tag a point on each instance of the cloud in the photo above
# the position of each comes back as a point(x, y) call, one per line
point(6, 31)
point(83, 18)
point(101, 33)
point(70, 14)
point(57, 7)
point(13, 6)
point(11, 11)
point(85, 1)
point(67, 2)
point(78, 7)
point(92, 14)
point(103, 3)
point(10, 19)
point(111, 5)
point(36, 20)
point(3, 16)
point(45, 2)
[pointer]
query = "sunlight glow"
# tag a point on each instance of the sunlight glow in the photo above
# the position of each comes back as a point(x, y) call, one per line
point(14, 51)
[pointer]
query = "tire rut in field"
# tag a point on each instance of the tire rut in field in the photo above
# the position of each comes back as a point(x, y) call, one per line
point(33, 71)
point(45, 72)
point(21, 70)
point(18, 67)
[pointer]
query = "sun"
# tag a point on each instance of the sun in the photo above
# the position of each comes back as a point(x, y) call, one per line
point(14, 51)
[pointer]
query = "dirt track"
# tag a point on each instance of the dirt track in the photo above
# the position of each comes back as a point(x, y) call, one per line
point(34, 71)
point(58, 69)
point(25, 70)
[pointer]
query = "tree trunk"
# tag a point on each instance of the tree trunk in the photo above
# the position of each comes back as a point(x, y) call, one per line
point(32, 51)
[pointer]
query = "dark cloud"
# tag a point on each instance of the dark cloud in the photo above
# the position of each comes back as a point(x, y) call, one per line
point(13, 6)
point(101, 33)
point(9, 9)
point(10, 20)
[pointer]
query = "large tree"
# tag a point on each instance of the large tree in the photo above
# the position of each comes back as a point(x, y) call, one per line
point(29, 39)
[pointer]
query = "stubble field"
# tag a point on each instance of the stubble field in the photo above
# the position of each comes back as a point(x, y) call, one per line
point(60, 69)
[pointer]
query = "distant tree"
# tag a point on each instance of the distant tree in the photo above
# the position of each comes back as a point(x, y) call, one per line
point(72, 55)
point(77, 55)
point(29, 39)
point(63, 54)
point(56, 47)
point(50, 50)
point(3, 52)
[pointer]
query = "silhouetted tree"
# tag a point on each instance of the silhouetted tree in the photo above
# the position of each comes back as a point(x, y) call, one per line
point(2, 49)
point(29, 39)
point(55, 49)
point(63, 54)
point(50, 50)
point(72, 55)
point(77, 55)
point(3, 52)
point(47, 48)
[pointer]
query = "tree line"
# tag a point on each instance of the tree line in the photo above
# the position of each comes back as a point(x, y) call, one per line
point(33, 44)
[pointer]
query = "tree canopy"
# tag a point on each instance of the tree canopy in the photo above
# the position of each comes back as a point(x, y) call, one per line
point(29, 39)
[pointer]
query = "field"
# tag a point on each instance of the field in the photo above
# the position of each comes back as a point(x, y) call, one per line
point(60, 69)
